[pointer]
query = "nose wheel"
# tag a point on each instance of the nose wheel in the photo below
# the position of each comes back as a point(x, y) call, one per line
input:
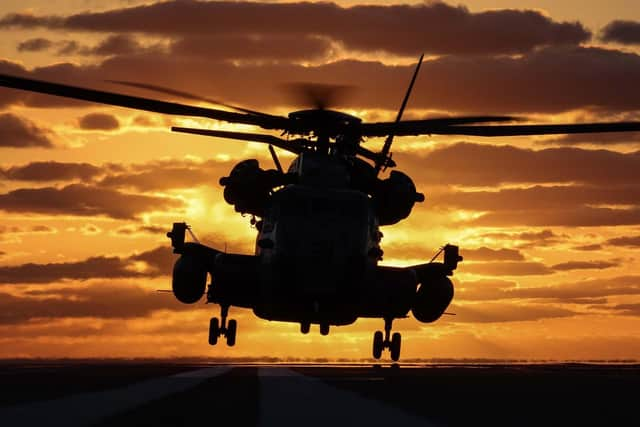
point(219, 328)
point(392, 342)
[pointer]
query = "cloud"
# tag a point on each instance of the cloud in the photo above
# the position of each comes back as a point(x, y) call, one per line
point(34, 45)
point(435, 28)
point(99, 300)
point(159, 261)
point(239, 46)
point(576, 216)
point(134, 230)
point(602, 139)
point(489, 165)
point(593, 247)
point(625, 32)
point(507, 268)
point(18, 132)
point(628, 241)
point(98, 121)
point(488, 254)
point(591, 288)
point(51, 171)
point(627, 309)
point(489, 312)
point(83, 200)
point(545, 81)
point(528, 238)
point(405, 250)
point(585, 265)
point(162, 175)
point(573, 205)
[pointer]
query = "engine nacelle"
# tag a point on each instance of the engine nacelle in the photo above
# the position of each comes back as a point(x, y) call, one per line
point(189, 279)
point(433, 297)
point(394, 198)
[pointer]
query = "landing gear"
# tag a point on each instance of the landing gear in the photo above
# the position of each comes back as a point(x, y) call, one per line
point(324, 329)
point(218, 329)
point(391, 342)
point(305, 327)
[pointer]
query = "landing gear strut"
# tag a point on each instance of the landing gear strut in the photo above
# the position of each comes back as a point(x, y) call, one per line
point(218, 329)
point(392, 342)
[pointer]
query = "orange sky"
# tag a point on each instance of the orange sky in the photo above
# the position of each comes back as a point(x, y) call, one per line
point(549, 227)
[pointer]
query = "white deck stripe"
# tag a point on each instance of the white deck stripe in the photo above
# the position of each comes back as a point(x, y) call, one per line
point(291, 399)
point(88, 408)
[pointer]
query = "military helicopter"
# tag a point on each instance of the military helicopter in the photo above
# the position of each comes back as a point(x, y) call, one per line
point(318, 244)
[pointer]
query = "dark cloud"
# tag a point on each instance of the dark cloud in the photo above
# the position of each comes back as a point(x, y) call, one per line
point(35, 45)
point(98, 121)
point(528, 238)
point(117, 44)
point(585, 265)
point(488, 254)
point(507, 268)
point(238, 46)
point(403, 250)
point(25, 230)
point(83, 200)
point(625, 32)
point(576, 216)
point(101, 300)
point(132, 230)
point(489, 165)
point(593, 247)
point(591, 288)
point(401, 29)
point(602, 139)
point(20, 133)
point(489, 312)
point(545, 81)
point(628, 241)
point(627, 309)
point(537, 206)
point(171, 174)
point(51, 171)
point(159, 262)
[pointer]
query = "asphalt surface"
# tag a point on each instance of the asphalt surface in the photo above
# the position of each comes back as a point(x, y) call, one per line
point(166, 394)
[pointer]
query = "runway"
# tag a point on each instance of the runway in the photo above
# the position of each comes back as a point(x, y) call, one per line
point(174, 394)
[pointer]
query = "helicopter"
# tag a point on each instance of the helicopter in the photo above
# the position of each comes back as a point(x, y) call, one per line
point(318, 223)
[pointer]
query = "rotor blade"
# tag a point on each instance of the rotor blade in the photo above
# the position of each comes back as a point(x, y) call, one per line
point(520, 130)
point(292, 146)
point(186, 95)
point(320, 96)
point(384, 154)
point(138, 103)
point(426, 126)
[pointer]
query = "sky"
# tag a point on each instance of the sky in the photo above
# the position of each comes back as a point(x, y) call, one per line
point(549, 226)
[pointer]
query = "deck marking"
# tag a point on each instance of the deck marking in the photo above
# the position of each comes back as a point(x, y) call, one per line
point(289, 398)
point(88, 408)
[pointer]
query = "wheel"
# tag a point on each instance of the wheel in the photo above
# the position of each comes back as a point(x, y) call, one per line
point(396, 340)
point(214, 330)
point(324, 329)
point(232, 327)
point(377, 344)
point(305, 327)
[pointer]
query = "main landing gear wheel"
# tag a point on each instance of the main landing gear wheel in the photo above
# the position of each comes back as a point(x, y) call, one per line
point(305, 327)
point(218, 329)
point(378, 345)
point(324, 329)
point(380, 341)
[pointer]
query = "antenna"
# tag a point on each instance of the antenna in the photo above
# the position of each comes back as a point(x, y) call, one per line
point(384, 158)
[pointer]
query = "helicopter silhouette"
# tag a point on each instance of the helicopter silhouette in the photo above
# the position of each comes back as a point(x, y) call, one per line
point(318, 245)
